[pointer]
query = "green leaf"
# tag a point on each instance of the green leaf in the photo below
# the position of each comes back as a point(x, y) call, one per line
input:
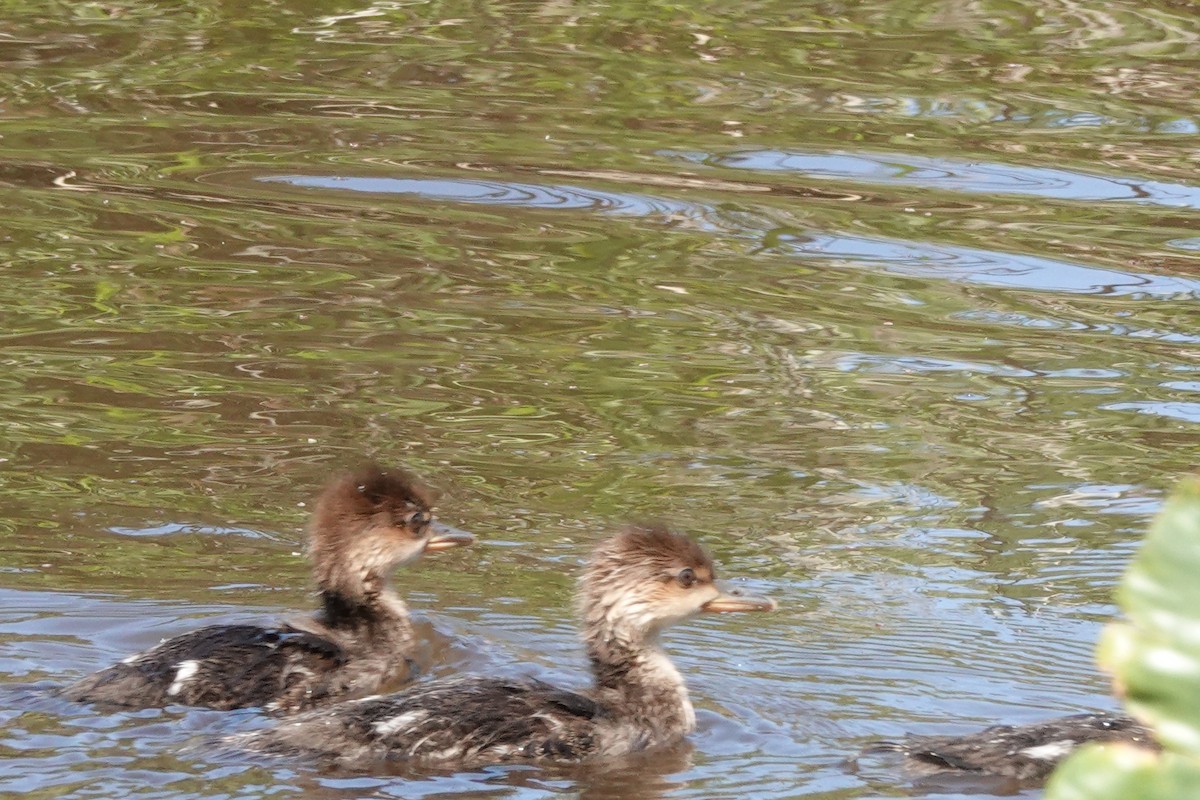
point(1100, 772)
point(1154, 657)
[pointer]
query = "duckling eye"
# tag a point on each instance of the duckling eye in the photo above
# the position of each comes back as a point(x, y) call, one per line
point(419, 519)
point(686, 577)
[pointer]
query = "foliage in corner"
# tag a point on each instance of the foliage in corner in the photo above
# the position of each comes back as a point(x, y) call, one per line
point(1154, 657)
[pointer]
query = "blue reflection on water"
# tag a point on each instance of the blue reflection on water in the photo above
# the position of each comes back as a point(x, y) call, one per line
point(944, 173)
point(912, 258)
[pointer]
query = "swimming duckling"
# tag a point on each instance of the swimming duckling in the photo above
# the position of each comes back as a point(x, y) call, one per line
point(1025, 753)
point(636, 584)
point(364, 525)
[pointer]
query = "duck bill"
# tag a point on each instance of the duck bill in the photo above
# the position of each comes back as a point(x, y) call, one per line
point(444, 538)
point(730, 603)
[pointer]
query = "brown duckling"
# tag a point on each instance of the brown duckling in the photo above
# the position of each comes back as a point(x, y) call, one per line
point(636, 584)
point(1024, 753)
point(365, 524)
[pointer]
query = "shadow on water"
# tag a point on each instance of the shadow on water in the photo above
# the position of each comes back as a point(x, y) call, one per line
point(637, 777)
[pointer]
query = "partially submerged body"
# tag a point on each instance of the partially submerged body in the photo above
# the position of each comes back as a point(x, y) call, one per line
point(364, 525)
point(636, 584)
point(1025, 753)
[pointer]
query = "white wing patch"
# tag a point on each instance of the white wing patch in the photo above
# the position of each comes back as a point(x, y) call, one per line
point(386, 727)
point(187, 669)
point(1051, 751)
point(449, 754)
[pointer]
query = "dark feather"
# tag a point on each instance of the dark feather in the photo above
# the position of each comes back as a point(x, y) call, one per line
point(235, 666)
point(1026, 752)
point(466, 720)
point(574, 703)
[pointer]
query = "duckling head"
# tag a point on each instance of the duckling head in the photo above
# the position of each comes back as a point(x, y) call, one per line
point(646, 578)
point(367, 523)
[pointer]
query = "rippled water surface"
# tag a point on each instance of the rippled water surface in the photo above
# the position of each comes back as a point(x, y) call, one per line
point(894, 304)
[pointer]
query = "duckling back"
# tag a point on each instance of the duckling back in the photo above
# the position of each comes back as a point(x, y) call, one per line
point(1026, 753)
point(461, 721)
point(237, 666)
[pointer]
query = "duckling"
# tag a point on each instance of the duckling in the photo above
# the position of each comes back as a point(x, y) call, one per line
point(635, 585)
point(1025, 753)
point(364, 525)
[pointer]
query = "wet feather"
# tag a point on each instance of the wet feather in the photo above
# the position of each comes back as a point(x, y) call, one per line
point(364, 525)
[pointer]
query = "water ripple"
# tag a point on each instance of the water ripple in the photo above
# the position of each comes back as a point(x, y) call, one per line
point(1187, 412)
point(917, 259)
point(950, 174)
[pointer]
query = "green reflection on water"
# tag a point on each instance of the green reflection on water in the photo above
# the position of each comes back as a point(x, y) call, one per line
point(858, 383)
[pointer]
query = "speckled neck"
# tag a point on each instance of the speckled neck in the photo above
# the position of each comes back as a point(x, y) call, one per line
point(378, 614)
point(639, 681)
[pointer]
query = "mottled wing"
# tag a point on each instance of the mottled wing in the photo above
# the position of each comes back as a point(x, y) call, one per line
point(1025, 752)
point(219, 667)
point(464, 721)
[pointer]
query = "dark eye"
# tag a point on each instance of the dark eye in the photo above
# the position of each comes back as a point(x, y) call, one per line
point(420, 519)
point(686, 577)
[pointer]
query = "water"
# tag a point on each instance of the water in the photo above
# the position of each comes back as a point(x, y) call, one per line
point(893, 304)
